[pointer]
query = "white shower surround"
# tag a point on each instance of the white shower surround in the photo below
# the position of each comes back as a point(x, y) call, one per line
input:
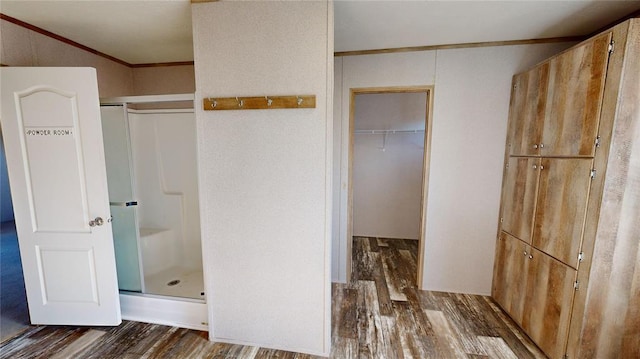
point(165, 169)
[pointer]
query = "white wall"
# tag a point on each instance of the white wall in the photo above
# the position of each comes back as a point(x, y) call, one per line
point(387, 170)
point(472, 89)
point(265, 175)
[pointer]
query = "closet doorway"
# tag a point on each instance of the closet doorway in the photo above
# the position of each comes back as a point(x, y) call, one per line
point(389, 148)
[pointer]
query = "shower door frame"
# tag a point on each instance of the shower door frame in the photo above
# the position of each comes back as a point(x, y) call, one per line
point(132, 183)
point(150, 308)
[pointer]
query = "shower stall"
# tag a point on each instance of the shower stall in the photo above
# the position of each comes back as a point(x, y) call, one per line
point(150, 153)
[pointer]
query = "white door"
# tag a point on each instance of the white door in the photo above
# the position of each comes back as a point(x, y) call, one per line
point(55, 157)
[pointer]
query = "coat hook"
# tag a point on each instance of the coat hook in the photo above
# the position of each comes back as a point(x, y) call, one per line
point(269, 101)
point(240, 102)
point(214, 103)
point(299, 100)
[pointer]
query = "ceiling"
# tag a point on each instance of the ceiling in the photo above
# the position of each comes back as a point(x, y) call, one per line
point(152, 31)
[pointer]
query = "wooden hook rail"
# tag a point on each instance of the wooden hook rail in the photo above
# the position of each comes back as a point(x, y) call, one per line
point(258, 103)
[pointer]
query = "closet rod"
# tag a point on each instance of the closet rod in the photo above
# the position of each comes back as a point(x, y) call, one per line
point(147, 99)
point(385, 132)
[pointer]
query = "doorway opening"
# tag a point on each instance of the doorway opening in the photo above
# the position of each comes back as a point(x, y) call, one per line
point(389, 148)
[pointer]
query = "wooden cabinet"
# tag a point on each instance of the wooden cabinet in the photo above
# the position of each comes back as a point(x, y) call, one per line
point(555, 107)
point(536, 290)
point(520, 190)
point(567, 266)
point(547, 305)
point(561, 207)
point(527, 111)
point(509, 284)
point(544, 203)
point(574, 99)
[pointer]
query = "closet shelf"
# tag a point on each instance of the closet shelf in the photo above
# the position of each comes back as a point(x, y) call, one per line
point(385, 132)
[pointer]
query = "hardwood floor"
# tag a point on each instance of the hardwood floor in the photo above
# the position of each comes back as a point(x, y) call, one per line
point(380, 314)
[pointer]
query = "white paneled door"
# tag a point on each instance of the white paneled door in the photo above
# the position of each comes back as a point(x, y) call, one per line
point(55, 157)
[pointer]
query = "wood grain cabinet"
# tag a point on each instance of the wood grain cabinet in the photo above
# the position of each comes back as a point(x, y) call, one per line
point(561, 207)
point(528, 99)
point(567, 266)
point(544, 203)
point(520, 192)
point(536, 290)
point(574, 99)
point(556, 106)
point(510, 284)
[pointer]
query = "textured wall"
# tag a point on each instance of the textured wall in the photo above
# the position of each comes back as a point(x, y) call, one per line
point(265, 175)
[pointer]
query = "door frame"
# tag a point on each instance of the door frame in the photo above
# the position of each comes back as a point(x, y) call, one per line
point(428, 90)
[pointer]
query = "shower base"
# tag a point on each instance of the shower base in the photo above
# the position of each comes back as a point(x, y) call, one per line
point(176, 282)
point(172, 311)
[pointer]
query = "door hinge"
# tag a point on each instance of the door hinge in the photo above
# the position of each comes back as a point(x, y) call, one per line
point(576, 285)
point(593, 174)
point(580, 256)
point(598, 141)
point(612, 46)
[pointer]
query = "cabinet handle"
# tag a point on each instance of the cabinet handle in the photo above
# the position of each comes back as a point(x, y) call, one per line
point(535, 146)
point(525, 253)
point(541, 167)
point(530, 256)
point(542, 145)
point(535, 166)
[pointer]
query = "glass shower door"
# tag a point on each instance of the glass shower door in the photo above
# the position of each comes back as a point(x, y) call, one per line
point(115, 131)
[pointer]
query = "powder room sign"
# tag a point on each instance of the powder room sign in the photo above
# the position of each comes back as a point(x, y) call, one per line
point(48, 131)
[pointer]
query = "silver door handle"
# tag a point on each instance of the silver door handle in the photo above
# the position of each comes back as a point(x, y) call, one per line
point(96, 222)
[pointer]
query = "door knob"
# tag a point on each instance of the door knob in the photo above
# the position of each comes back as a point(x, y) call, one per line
point(96, 222)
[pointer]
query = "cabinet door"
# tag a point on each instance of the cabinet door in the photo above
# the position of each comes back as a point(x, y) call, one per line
point(574, 99)
point(509, 276)
point(527, 110)
point(550, 291)
point(562, 202)
point(519, 197)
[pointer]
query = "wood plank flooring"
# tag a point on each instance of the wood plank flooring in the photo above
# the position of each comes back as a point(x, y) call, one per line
point(379, 314)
